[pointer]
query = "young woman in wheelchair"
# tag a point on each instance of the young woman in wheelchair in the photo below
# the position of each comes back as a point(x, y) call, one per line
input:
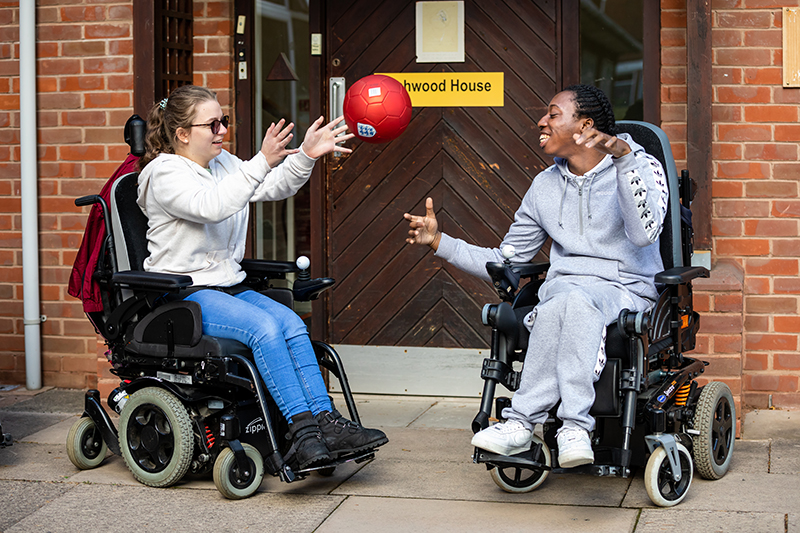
point(196, 196)
point(602, 203)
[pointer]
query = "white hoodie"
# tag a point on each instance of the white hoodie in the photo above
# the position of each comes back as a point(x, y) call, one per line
point(197, 218)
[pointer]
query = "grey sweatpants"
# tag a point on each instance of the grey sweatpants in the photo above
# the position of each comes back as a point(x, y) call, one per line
point(566, 351)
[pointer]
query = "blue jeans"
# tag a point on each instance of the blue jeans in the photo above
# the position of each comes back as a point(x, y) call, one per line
point(279, 340)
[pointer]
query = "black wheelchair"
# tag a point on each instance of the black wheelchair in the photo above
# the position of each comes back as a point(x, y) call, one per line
point(649, 410)
point(5, 438)
point(187, 402)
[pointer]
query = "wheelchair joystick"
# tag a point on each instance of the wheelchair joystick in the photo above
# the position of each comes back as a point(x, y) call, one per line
point(508, 252)
point(303, 263)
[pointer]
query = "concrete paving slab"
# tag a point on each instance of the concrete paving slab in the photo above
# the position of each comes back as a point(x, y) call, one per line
point(793, 523)
point(737, 491)
point(771, 424)
point(427, 445)
point(36, 462)
point(55, 434)
point(364, 514)
point(784, 457)
point(146, 509)
point(456, 414)
point(22, 498)
point(21, 424)
point(52, 401)
point(751, 456)
point(654, 520)
point(386, 411)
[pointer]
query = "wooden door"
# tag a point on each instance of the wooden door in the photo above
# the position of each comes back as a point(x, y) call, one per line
point(476, 163)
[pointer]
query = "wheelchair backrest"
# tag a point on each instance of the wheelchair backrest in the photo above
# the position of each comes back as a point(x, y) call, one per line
point(655, 142)
point(128, 223)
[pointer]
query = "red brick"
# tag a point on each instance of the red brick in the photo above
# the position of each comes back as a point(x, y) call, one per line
point(743, 169)
point(726, 227)
point(84, 118)
point(771, 113)
point(770, 304)
point(763, 38)
point(726, 38)
point(786, 361)
point(786, 208)
point(744, 132)
point(726, 113)
point(107, 31)
point(57, 66)
point(721, 76)
point(771, 267)
point(772, 189)
point(786, 285)
point(725, 323)
point(110, 99)
point(120, 13)
point(742, 57)
point(787, 132)
point(743, 19)
point(58, 32)
point(744, 93)
point(81, 83)
point(754, 323)
point(786, 247)
point(106, 65)
point(211, 27)
point(726, 303)
point(727, 189)
point(82, 153)
point(83, 13)
point(741, 208)
point(763, 76)
point(771, 152)
point(727, 343)
point(787, 324)
point(770, 342)
point(726, 151)
point(770, 228)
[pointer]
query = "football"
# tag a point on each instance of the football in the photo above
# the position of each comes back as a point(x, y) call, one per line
point(377, 108)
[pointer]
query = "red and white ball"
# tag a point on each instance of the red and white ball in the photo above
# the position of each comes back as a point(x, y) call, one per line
point(377, 108)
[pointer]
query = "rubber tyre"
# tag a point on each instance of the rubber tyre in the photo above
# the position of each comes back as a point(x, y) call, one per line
point(715, 419)
point(520, 480)
point(156, 437)
point(229, 481)
point(85, 445)
point(658, 482)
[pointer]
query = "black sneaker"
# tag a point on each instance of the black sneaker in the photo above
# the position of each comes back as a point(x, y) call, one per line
point(343, 436)
point(308, 446)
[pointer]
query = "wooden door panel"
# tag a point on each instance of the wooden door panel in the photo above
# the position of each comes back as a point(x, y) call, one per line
point(476, 163)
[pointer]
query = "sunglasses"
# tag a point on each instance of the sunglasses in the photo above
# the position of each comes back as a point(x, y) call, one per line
point(214, 124)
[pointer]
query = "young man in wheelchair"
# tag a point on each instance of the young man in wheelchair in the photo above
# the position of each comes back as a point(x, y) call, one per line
point(602, 203)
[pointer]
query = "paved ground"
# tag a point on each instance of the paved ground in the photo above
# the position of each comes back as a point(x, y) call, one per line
point(423, 480)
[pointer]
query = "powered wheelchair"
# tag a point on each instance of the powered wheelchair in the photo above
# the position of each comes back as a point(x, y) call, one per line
point(649, 410)
point(187, 402)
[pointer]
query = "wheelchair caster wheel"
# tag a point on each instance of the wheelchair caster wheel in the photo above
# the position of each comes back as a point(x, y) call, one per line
point(231, 481)
point(715, 419)
point(85, 446)
point(156, 437)
point(518, 480)
point(663, 490)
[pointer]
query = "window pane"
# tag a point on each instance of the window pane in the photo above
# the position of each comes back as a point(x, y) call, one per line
point(612, 52)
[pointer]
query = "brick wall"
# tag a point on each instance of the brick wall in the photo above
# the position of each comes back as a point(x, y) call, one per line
point(755, 185)
point(85, 95)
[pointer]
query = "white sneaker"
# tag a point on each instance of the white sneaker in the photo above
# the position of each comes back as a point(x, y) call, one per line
point(574, 447)
point(508, 438)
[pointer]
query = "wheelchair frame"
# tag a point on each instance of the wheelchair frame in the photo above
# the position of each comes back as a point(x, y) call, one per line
point(647, 391)
point(188, 403)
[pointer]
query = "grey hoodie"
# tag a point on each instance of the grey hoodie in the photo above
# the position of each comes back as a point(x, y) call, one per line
point(604, 225)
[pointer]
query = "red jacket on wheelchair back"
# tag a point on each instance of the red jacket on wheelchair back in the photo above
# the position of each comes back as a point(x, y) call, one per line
point(82, 284)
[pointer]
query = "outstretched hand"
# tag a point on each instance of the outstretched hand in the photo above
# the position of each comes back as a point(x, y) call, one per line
point(274, 144)
point(322, 140)
point(424, 230)
point(602, 142)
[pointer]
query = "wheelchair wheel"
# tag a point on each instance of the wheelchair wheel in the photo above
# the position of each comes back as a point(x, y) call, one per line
point(85, 446)
point(156, 437)
point(230, 481)
point(663, 490)
point(519, 480)
point(715, 419)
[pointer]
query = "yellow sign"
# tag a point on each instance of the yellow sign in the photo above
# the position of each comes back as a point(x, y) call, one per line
point(452, 89)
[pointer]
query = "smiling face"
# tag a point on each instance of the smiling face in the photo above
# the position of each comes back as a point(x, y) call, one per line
point(558, 126)
point(199, 143)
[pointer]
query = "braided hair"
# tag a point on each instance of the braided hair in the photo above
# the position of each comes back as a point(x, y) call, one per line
point(591, 102)
point(169, 114)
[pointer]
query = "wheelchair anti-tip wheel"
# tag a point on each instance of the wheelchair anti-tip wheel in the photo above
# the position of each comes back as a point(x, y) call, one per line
point(715, 419)
point(518, 480)
point(233, 482)
point(85, 446)
point(156, 437)
point(662, 488)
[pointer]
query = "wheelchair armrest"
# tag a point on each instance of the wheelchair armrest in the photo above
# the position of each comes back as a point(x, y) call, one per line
point(151, 280)
point(681, 275)
point(526, 270)
point(305, 290)
point(262, 268)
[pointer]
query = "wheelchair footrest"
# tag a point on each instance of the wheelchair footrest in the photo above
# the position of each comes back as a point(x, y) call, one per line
point(520, 460)
point(355, 457)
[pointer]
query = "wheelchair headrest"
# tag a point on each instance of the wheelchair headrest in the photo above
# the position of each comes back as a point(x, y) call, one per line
point(135, 129)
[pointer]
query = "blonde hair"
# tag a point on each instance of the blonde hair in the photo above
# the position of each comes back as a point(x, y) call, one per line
point(166, 116)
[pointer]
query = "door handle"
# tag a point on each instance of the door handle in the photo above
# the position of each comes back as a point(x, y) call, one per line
point(336, 92)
